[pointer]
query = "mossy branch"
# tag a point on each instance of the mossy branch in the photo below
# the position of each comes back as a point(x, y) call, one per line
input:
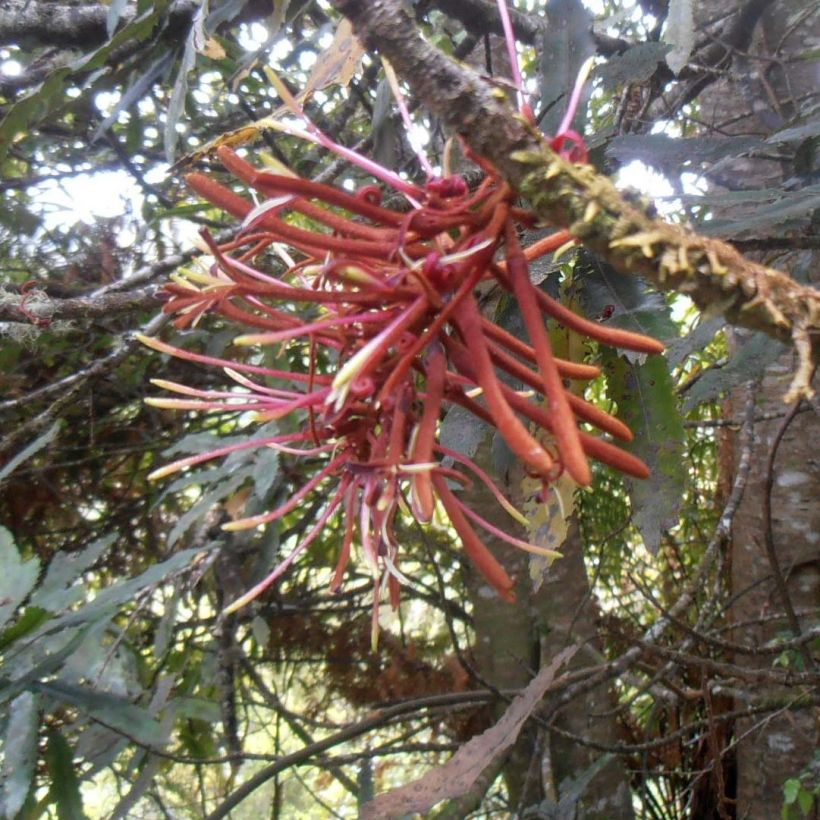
point(624, 232)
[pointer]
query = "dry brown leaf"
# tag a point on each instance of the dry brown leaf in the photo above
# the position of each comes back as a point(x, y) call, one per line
point(233, 139)
point(458, 775)
point(337, 64)
point(213, 49)
point(335, 67)
point(235, 505)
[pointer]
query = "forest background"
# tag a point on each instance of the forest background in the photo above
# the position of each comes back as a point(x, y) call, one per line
point(691, 598)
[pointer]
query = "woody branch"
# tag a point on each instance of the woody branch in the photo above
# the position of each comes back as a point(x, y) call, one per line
point(624, 232)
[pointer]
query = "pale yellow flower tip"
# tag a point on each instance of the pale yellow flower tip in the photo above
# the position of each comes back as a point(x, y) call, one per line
point(238, 603)
point(242, 524)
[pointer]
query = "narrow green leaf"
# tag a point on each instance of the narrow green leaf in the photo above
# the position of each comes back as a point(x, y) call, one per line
point(103, 606)
point(58, 590)
point(364, 781)
point(38, 104)
point(679, 32)
point(17, 578)
point(565, 45)
point(30, 450)
point(136, 31)
point(117, 594)
point(797, 133)
point(66, 643)
point(572, 789)
point(791, 789)
point(383, 127)
point(646, 401)
point(115, 10)
point(112, 711)
point(31, 108)
point(136, 91)
point(665, 152)
point(228, 9)
point(635, 65)
point(197, 709)
point(20, 747)
point(65, 787)
point(31, 618)
point(265, 471)
point(797, 205)
point(215, 494)
point(693, 342)
point(177, 101)
point(805, 799)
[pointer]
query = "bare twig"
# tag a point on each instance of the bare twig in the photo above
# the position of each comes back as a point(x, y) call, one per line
point(70, 387)
point(36, 307)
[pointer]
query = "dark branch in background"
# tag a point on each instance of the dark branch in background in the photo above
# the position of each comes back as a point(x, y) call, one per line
point(480, 17)
point(380, 718)
point(292, 720)
point(35, 307)
point(696, 583)
point(70, 388)
point(569, 686)
point(64, 29)
point(72, 25)
point(625, 233)
point(736, 36)
point(777, 243)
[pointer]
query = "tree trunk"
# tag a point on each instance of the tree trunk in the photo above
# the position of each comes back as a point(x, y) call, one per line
point(773, 748)
point(514, 640)
point(772, 576)
point(567, 614)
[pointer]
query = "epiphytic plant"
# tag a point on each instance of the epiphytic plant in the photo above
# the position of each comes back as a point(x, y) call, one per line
point(384, 300)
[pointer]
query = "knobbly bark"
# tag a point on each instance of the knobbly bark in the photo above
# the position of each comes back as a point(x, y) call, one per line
point(624, 232)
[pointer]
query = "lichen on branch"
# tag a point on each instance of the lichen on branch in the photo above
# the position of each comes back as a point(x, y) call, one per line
point(624, 232)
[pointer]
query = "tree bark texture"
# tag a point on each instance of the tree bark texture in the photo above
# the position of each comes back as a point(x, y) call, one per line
point(514, 640)
point(779, 746)
point(775, 573)
point(566, 614)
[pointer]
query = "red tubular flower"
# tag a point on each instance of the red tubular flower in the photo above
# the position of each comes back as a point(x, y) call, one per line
point(384, 302)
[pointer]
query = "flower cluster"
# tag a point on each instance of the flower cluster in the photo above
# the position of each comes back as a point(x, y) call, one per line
point(384, 302)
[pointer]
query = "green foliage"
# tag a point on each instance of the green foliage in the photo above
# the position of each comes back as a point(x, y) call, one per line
point(752, 352)
point(21, 736)
point(642, 389)
point(645, 396)
point(566, 44)
point(802, 794)
point(18, 576)
point(119, 676)
point(65, 785)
